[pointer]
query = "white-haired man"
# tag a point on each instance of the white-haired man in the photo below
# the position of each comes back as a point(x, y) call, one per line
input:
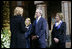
point(39, 27)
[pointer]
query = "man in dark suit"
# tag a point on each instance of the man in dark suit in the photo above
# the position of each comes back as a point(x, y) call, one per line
point(39, 31)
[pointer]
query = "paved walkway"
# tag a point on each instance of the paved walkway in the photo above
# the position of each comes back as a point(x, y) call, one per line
point(68, 44)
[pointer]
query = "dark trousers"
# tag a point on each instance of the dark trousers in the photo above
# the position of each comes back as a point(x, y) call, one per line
point(58, 45)
point(35, 44)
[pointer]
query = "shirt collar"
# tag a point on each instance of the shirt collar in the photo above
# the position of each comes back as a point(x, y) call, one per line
point(38, 18)
point(57, 23)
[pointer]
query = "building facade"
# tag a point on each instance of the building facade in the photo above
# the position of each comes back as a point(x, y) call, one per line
point(49, 9)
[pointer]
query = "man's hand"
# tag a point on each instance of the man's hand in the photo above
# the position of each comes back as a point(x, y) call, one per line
point(56, 40)
point(34, 37)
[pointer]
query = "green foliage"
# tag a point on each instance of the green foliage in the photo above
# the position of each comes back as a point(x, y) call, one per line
point(5, 38)
point(5, 34)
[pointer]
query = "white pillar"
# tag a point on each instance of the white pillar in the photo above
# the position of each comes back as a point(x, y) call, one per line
point(65, 10)
point(69, 16)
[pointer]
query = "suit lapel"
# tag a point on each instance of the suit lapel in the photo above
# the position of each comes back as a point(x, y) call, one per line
point(39, 20)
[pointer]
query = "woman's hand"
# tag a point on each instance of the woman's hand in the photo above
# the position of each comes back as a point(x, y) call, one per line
point(56, 40)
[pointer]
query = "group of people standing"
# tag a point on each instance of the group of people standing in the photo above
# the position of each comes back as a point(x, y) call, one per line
point(25, 34)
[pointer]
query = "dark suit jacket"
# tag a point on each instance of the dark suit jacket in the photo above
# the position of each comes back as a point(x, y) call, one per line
point(40, 30)
point(60, 34)
point(28, 32)
point(17, 27)
point(28, 36)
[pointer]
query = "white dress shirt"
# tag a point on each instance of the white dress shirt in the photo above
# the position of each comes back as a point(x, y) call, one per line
point(38, 18)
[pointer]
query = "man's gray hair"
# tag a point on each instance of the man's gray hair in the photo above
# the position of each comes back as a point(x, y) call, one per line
point(40, 11)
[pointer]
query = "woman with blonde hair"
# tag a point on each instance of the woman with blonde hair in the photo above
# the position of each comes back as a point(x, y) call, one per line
point(27, 21)
point(28, 32)
point(17, 27)
point(18, 11)
point(59, 32)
